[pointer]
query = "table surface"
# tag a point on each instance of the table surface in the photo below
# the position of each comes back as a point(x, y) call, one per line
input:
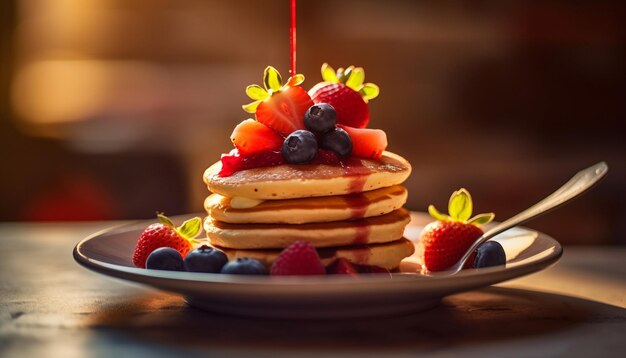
point(52, 307)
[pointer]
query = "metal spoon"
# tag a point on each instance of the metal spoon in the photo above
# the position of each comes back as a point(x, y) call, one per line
point(579, 183)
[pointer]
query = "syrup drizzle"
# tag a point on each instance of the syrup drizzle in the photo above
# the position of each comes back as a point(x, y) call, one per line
point(292, 38)
point(362, 255)
point(357, 202)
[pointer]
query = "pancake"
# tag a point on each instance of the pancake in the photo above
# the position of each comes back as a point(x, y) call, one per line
point(386, 255)
point(307, 180)
point(378, 229)
point(309, 210)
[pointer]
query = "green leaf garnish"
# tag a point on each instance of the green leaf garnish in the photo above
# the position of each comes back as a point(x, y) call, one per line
point(190, 228)
point(257, 93)
point(273, 83)
point(460, 209)
point(164, 220)
point(460, 205)
point(352, 77)
point(328, 74)
point(369, 91)
point(295, 80)
point(251, 107)
point(272, 79)
point(481, 219)
point(436, 214)
point(355, 81)
point(344, 75)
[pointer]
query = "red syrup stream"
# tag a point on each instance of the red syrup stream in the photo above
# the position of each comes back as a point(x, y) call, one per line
point(292, 38)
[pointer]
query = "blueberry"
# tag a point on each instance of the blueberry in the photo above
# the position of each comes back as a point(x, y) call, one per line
point(299, 147)
point(320, 118)
point(205, 259)
point(489, 254)
point(165, 258)
point(338, 141)
point(244, 266)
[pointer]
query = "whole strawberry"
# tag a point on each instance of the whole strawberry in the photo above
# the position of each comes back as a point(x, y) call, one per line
point(165, 234)
point(299, 258)
point(442, 243)
point(345, 91)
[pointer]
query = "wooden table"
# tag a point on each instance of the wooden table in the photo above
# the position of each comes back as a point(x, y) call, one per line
point(52, 307)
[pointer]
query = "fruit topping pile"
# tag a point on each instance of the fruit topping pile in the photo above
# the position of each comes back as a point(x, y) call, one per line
point(324, 126)
point(443, 242)
point(162, 246)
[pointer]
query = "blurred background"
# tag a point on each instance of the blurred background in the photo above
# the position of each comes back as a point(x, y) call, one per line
point(112, 109)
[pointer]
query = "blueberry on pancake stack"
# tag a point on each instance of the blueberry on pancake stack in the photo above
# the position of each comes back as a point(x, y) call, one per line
point(307, 168)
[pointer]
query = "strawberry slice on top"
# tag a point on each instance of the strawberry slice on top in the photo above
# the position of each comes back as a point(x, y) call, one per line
point(346, 92)
point(366, 143)
point(280, 107)
point(251, 137)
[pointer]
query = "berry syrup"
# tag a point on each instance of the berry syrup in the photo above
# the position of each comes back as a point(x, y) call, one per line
point(234, 162)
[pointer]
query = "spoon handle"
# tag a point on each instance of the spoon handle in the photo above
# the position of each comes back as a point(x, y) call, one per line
point(579, 183)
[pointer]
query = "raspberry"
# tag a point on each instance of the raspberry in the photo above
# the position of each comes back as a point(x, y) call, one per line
point(299, 258)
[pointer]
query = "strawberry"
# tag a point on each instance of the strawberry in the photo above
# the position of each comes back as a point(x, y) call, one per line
point(164, 234)
point(280, 107)
point(367, 143)
point(345, 91)
point(442, 243)
point(251, 137)
point(299, 258)
point(342, 266)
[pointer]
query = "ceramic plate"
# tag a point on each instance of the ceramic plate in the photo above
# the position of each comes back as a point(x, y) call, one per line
point(109, 252)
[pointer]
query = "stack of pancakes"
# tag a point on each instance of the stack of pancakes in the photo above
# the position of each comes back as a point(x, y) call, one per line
point(352, 211)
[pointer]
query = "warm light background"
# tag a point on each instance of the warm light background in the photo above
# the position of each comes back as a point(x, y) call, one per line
point(113, 108)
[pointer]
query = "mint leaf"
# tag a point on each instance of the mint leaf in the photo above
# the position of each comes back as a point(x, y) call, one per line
point(460, 205)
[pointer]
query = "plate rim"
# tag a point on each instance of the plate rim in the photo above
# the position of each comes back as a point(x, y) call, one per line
point(142, 276)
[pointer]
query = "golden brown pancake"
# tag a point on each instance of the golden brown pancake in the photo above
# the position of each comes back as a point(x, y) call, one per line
point(378, 229)
point(308, 180)
point(309, 210)
point(387, 255)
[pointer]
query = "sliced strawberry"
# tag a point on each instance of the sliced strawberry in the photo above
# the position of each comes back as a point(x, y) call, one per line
point(284, 110)
point(367, 143)
point(351, 108)
point(251, 137)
